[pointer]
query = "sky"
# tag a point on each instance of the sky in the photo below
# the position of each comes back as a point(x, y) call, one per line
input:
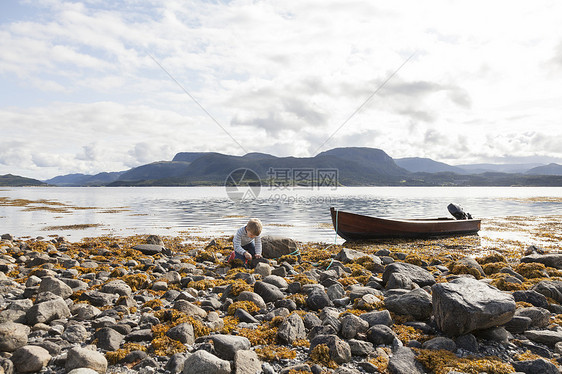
point(102, 85)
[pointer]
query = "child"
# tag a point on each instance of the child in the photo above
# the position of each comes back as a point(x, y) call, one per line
point(247, 242)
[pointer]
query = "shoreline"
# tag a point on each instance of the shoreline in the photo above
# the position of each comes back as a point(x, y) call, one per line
point(157, 304)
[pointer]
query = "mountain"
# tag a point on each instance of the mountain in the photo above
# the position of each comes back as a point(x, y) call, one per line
point(10, 180)
point(497, 168)
point(426, 165)
point(352, 166)
point(550, 169)
point(74, 180)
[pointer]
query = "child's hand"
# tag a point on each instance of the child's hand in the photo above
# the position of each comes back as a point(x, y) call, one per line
point(248, 256)
point(258, 256)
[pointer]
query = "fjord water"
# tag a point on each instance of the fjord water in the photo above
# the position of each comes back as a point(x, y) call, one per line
point(302, 214)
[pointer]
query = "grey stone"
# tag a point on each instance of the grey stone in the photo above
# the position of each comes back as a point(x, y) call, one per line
point(247, 362)
point(226, 346)
point(183, 333)
point(56, 286)
point(75, 334)
point(117, 287)
point(417, 274)
point(381, 335)
point(30, 359)
point(553, 260)
point(13, 336)
point(85, 358)
point(47, 311)
point(403, 361)
point(253, 297)
point(189, 309)
point(85, 312)
point(531, 297)
point(268, 292)
point(274, 246)
point(399, 281)
point(108, 339)
point(349, 255)
point(518, 324)
point(291, 329)
point(149, 249)
point(98, 298)
point(277, 281)
point(318, 300)
point(351, 325)
point(540, 317)
point(540, 365)
point(205, 362)
point(360, 347)
point(471, 263)
point(82, 371)
point(547, 337)
point(142, 335)
point(339, 350)
point(440, 342)
point(335, 291)
point(552, 289)
point(464, 305)
point(176, 363)
point(382, 317)
point(262, 269)
point(416, 303)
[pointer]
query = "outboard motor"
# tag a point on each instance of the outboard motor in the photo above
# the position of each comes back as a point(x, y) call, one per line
point(457, 212)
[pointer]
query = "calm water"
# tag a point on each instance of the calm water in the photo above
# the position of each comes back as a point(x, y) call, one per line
point(208, 211)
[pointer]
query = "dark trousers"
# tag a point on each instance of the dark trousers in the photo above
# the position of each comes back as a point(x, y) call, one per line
point(250, 247)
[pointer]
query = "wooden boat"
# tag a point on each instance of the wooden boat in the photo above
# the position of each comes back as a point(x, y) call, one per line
point(352, 226)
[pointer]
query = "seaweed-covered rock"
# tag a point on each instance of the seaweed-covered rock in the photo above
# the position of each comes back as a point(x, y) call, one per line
point(340, 351)
point(464, 305)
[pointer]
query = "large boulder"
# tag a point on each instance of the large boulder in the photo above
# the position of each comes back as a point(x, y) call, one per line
point(47, 311)
point(465, 304)
point(274, 247)
point(226, 346)
point(416, 273)
point(56, 286)
point(13, 336)
point(30, 359)
point(205, 362)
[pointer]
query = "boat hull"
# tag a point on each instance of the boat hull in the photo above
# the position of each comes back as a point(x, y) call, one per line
point(351, 226)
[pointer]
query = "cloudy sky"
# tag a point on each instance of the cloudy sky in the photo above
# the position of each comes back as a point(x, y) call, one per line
point(102, 85)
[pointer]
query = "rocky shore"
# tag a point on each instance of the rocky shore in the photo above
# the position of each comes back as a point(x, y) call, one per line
point(147, 304)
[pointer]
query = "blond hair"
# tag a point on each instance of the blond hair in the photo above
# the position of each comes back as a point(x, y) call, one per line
point(254, 226)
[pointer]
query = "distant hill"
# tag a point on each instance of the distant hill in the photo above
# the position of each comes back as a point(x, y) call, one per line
point(426, 165)
point(10, 180)
point(355, 166)
point(497, 168)
point(550, 169)
point(72, 180)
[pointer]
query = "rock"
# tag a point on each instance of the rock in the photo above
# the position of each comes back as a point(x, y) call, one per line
point(518, 324)
point(262, 269)
point(85, 358)
point(540, 317)
point(416, 303)
point(183, 333)
point(226, 346)
point(440, 342)
point(340, 351)
point(547, 337)
point(277, 281)
point(98, 298)
point(149, 249)
point(318, 300)
point(382, 317)
point(417, 274)
point(381, 335)
point(536, 366)
point(205, 362)
point(403, 361)
point(268, 292)
point(274, 247)
point(47, 311)
point(471, 263)
point(85, 312)
point(108, 339)
point(291, 329)
point(82, 371)
point(335, 291)
point(189, 309)
point(464, 305)
point(75, 334)
point(399, 281)
point(247, 362)
point(360, 347)
point(13, 336)
point(498, 334)
point(57, 287)
point(349, 255)
point(553, 260)
point(552, 289)
point(531, 297)
point(351, 325)
point(118, 287)
point(253, 297)
point(6, 366)
point(30, 359)
point(142, 335)
point(176, 363)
